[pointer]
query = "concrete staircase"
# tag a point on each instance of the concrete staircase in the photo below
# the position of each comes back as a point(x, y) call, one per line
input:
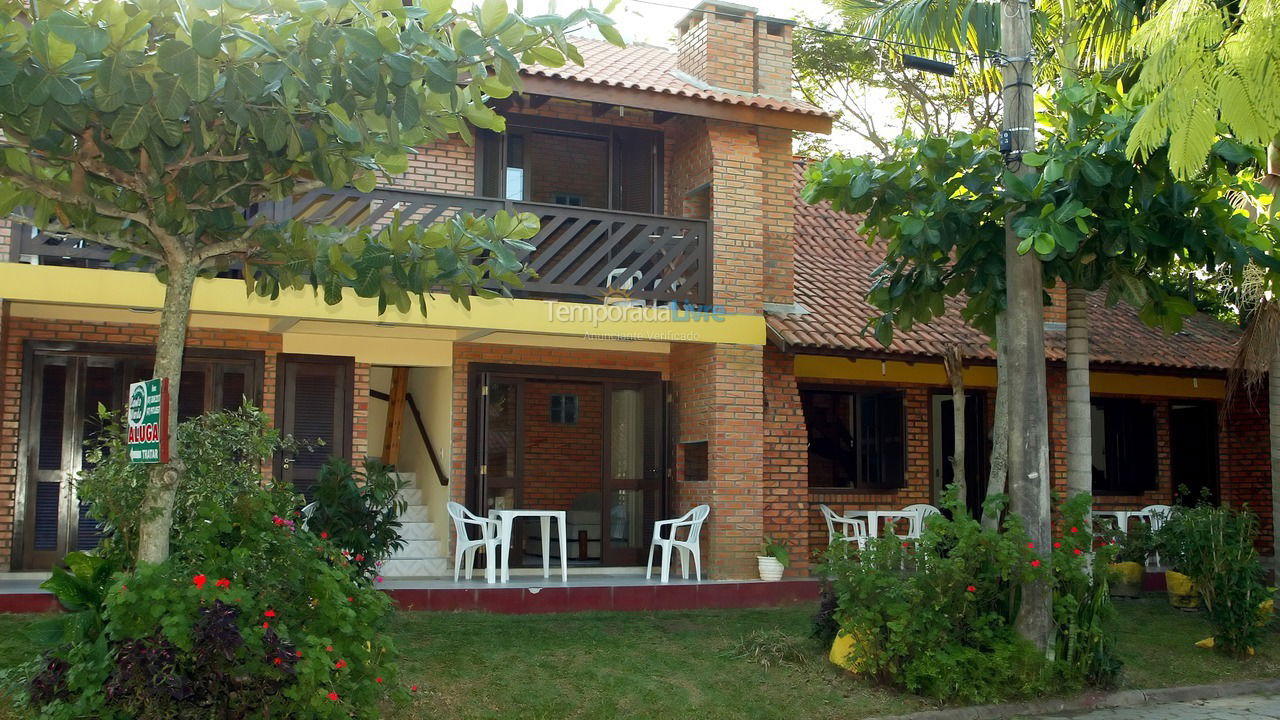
point(425, 552)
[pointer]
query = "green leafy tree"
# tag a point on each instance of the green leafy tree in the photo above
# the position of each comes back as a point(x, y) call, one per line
point(150, 126)
point(1204, 63)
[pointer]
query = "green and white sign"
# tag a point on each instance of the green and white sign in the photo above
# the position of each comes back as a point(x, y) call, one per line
point(148, 421)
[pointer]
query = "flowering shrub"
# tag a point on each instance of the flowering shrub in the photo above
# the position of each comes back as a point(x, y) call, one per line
point(251, 616)
point(359, 512)
point(1082, 609)
point(936, 616)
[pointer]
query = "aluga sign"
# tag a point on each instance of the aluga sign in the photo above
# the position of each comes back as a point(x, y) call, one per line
point(148, 421)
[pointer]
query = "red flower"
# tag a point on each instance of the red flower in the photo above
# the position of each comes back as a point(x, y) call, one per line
point(278, 661)
point(1031, 545)
point(266, 625)
point(324, 535)
point(340, 664)
point(906, 544)
point(1057, 545)
point(328, 648)
point(413, 688)
point(349, 599)
point(359, 558)
point(270, 613)
point(1035, 563)
point(123, 588)
point(199, 581)
point(1077, 551)
point(971, 589)
point(277, 519)
point(378, 680)
point(1075, 529)
point(223, 583)
point(333, 696)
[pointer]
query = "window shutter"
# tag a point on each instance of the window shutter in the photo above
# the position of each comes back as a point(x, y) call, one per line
point(316, 404)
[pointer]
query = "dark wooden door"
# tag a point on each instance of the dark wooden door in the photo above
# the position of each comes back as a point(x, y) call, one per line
point(316, 405)
point(1193, 448)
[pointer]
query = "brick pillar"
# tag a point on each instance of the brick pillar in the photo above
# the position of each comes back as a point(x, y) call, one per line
point(737, 215)
point(778, 214)
point(786, 460)
point(718, 389)
point(1244, 460)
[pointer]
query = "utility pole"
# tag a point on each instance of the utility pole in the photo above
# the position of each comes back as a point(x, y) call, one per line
point(1024, 330)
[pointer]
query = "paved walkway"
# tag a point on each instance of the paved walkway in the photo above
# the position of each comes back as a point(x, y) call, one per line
point(1247, 707)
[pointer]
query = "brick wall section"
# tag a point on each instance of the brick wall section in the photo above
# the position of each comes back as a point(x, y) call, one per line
point(19, 330)
point(360, 415)
point(1056, 310)
point(718, 49)
point(778, 215)
point(1245, 460)
point(773, 60)
point(562, 461)
point(688, 164)
point(786, 460)
point(448, 166)
point(719, 400)
point(737, 217)
point(6, 239)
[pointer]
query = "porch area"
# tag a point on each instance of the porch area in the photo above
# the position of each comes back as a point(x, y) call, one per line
point(621, 589)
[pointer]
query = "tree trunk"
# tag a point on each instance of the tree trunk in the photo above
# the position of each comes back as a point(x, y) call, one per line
point(1024, 341)
point(157, 515)
point(953, 362)
point(1079, 409)
point(999, 431)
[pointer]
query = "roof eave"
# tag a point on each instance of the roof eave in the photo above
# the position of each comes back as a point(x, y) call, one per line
point(678, 104)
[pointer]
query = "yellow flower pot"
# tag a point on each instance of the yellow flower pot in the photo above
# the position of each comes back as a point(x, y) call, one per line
point(1126, 579)
point(841, 650)
point(1182, 591)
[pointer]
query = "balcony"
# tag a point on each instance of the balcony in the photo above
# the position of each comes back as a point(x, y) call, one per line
point(579, 253)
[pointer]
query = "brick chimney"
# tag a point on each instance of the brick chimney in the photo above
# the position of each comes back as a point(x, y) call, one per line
point(730, 47)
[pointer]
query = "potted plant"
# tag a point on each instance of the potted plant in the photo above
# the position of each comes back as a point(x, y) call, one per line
point(1175, 540)
point(1129, 566)
point(774, 558)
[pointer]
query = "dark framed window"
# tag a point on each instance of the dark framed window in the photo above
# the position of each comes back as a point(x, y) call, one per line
point(316, 403)
point(857, 438)
point(564, 408)
point(1124, 446)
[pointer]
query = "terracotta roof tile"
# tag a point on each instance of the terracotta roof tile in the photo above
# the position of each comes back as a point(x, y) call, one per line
point(833, 267)
point(653, 69)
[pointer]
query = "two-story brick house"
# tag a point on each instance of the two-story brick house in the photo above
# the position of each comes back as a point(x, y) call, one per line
point(691, 336)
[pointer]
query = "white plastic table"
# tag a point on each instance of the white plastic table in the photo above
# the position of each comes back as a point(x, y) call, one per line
point(506, 518)
point(874, 517)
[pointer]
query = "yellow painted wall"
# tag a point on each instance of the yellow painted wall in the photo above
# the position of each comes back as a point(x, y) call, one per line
point(829, 367)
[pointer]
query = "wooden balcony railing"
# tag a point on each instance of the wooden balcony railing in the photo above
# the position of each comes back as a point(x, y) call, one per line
point(579, 253)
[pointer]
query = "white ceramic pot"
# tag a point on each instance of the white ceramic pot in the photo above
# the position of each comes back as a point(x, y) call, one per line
point(770, 568)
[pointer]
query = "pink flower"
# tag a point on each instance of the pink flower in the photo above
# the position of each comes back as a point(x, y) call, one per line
point(378, 579)
point(199, 581)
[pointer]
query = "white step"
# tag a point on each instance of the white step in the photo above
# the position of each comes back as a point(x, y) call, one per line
point(416, 567)
point(420, 549)
point(415, 514)
point(412, 496)
point(418, 531)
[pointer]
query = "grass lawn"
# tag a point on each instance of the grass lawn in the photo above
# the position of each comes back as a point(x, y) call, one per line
point(691, 664)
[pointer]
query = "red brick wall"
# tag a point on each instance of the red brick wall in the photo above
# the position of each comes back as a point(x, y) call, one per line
point(562, 461)
point(786, 460)
point(773, 59)
point(737, 215)
point(448, 166)
point(1245, 464)
point(719, 400)
point(20, 329)
point(778, 214)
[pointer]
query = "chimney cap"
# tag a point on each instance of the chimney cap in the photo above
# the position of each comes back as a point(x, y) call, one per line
point(722, 8)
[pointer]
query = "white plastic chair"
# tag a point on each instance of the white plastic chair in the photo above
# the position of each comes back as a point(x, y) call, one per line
point(465, 546)
point(853, 529)
point(1154, 515)
point(919, 513)
point(693, 521)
